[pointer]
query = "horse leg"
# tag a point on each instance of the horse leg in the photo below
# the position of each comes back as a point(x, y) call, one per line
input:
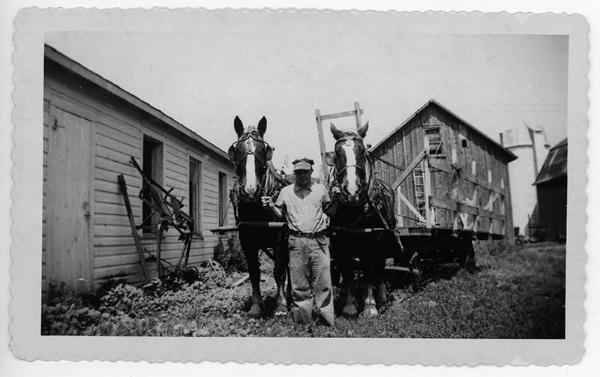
point(346, 263)
point(280, 273)
point(369, 266)
point(254, 271)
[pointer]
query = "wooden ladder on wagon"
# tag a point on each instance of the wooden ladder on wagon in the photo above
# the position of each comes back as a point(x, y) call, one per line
point(356, 113)
point(420, 194)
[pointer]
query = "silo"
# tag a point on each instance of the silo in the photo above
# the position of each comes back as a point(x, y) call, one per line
point(531, 147)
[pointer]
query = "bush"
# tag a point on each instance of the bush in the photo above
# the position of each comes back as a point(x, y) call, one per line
point(228, 252)
point(159, 309)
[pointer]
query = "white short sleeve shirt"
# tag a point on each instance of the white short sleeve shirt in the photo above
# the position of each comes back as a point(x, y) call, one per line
point(305, 214)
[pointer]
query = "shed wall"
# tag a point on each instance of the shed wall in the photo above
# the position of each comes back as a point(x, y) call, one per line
point(118, 131)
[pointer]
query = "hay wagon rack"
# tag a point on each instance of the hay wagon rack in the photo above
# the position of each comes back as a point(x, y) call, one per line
point(450, 182)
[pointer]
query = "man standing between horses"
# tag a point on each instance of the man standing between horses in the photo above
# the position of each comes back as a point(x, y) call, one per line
point(306, 206)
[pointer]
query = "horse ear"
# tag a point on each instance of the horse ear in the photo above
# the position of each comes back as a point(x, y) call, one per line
point(337, 134)
point(238, 126)
point(330, 158)
point(362, 132)
point(262, 126)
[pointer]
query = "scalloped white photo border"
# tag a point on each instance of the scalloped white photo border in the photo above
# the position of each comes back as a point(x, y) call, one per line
point(26, 341)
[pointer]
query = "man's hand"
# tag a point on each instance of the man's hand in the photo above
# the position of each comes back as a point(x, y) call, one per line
point(335, 190)
point(267, 201)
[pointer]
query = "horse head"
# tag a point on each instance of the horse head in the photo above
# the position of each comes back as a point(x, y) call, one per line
point(250, 155)
point(351, 164)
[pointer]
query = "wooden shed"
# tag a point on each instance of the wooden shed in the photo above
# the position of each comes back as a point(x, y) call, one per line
point(551, 187)
point(92, 128)
point(451, 176)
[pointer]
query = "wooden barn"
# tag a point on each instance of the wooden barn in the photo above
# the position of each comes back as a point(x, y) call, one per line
point(92, 128)
point(551, 187)
point(449, 176)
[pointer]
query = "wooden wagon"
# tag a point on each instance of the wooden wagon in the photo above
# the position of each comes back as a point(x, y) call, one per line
point(451, 183)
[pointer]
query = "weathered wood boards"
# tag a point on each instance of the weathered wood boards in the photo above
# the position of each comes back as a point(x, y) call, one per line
point(465, 174)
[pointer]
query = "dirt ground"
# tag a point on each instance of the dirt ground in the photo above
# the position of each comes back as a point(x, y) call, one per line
point(515, 293)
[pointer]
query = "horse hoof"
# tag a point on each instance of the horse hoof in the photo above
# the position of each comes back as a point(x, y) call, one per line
point(255, 311)
point(281, 311)
point(350, 310)
point(370, 311)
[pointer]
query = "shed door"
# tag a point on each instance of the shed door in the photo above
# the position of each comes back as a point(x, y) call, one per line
point(68, 201)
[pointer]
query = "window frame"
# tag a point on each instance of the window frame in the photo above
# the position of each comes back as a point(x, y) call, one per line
point(159, 158)
point(223, 207)
point(195, 213)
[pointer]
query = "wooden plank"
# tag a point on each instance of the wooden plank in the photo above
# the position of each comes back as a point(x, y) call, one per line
point(343, 114)
point(322, 147)
point(446, 167)
point(134, 233)
point(412, 208)
point(357, 113)
point(427, 178)
point(409, 169)
point(459, 206)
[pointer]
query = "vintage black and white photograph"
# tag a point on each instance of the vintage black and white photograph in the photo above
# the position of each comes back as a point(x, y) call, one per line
point(303, 175)
point(196, 186)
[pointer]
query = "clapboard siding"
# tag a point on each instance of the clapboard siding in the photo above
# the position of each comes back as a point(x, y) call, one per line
point(118, 131)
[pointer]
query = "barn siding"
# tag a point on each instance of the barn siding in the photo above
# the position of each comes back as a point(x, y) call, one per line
point(449, 190)
point(118, 135)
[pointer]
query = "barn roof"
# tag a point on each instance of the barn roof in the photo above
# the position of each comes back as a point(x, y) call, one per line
point(432, 102)
point(71, 65)
point(555, 165)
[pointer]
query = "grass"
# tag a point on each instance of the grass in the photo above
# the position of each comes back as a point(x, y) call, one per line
point(516, 293)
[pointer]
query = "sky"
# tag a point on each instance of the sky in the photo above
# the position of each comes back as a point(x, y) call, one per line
point(285, 72)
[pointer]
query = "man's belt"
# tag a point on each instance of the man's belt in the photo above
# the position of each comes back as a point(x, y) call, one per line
point(296, 233)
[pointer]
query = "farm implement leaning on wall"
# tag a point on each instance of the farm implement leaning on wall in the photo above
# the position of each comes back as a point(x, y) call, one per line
point(164, 212)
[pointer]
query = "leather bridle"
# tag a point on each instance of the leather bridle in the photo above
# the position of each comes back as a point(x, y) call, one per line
point(255, 137)
point(263, 162)
point(339, 172)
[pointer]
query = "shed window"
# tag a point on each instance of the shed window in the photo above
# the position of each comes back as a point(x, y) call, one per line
point(195, 190)
point(152, 165)
point(464, 143)
point(223, 199)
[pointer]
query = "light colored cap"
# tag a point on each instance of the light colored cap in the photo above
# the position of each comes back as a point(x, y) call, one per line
point(303, 164)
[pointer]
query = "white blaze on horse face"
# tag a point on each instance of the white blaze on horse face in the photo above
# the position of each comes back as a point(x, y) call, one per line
point(351, 175)
point(251, 181)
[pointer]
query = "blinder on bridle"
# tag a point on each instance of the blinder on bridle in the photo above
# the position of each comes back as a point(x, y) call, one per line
point(254, 136)
point(339, 172)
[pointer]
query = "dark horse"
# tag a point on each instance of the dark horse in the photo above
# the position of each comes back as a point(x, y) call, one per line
point(256, 177)
point(364, 223)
